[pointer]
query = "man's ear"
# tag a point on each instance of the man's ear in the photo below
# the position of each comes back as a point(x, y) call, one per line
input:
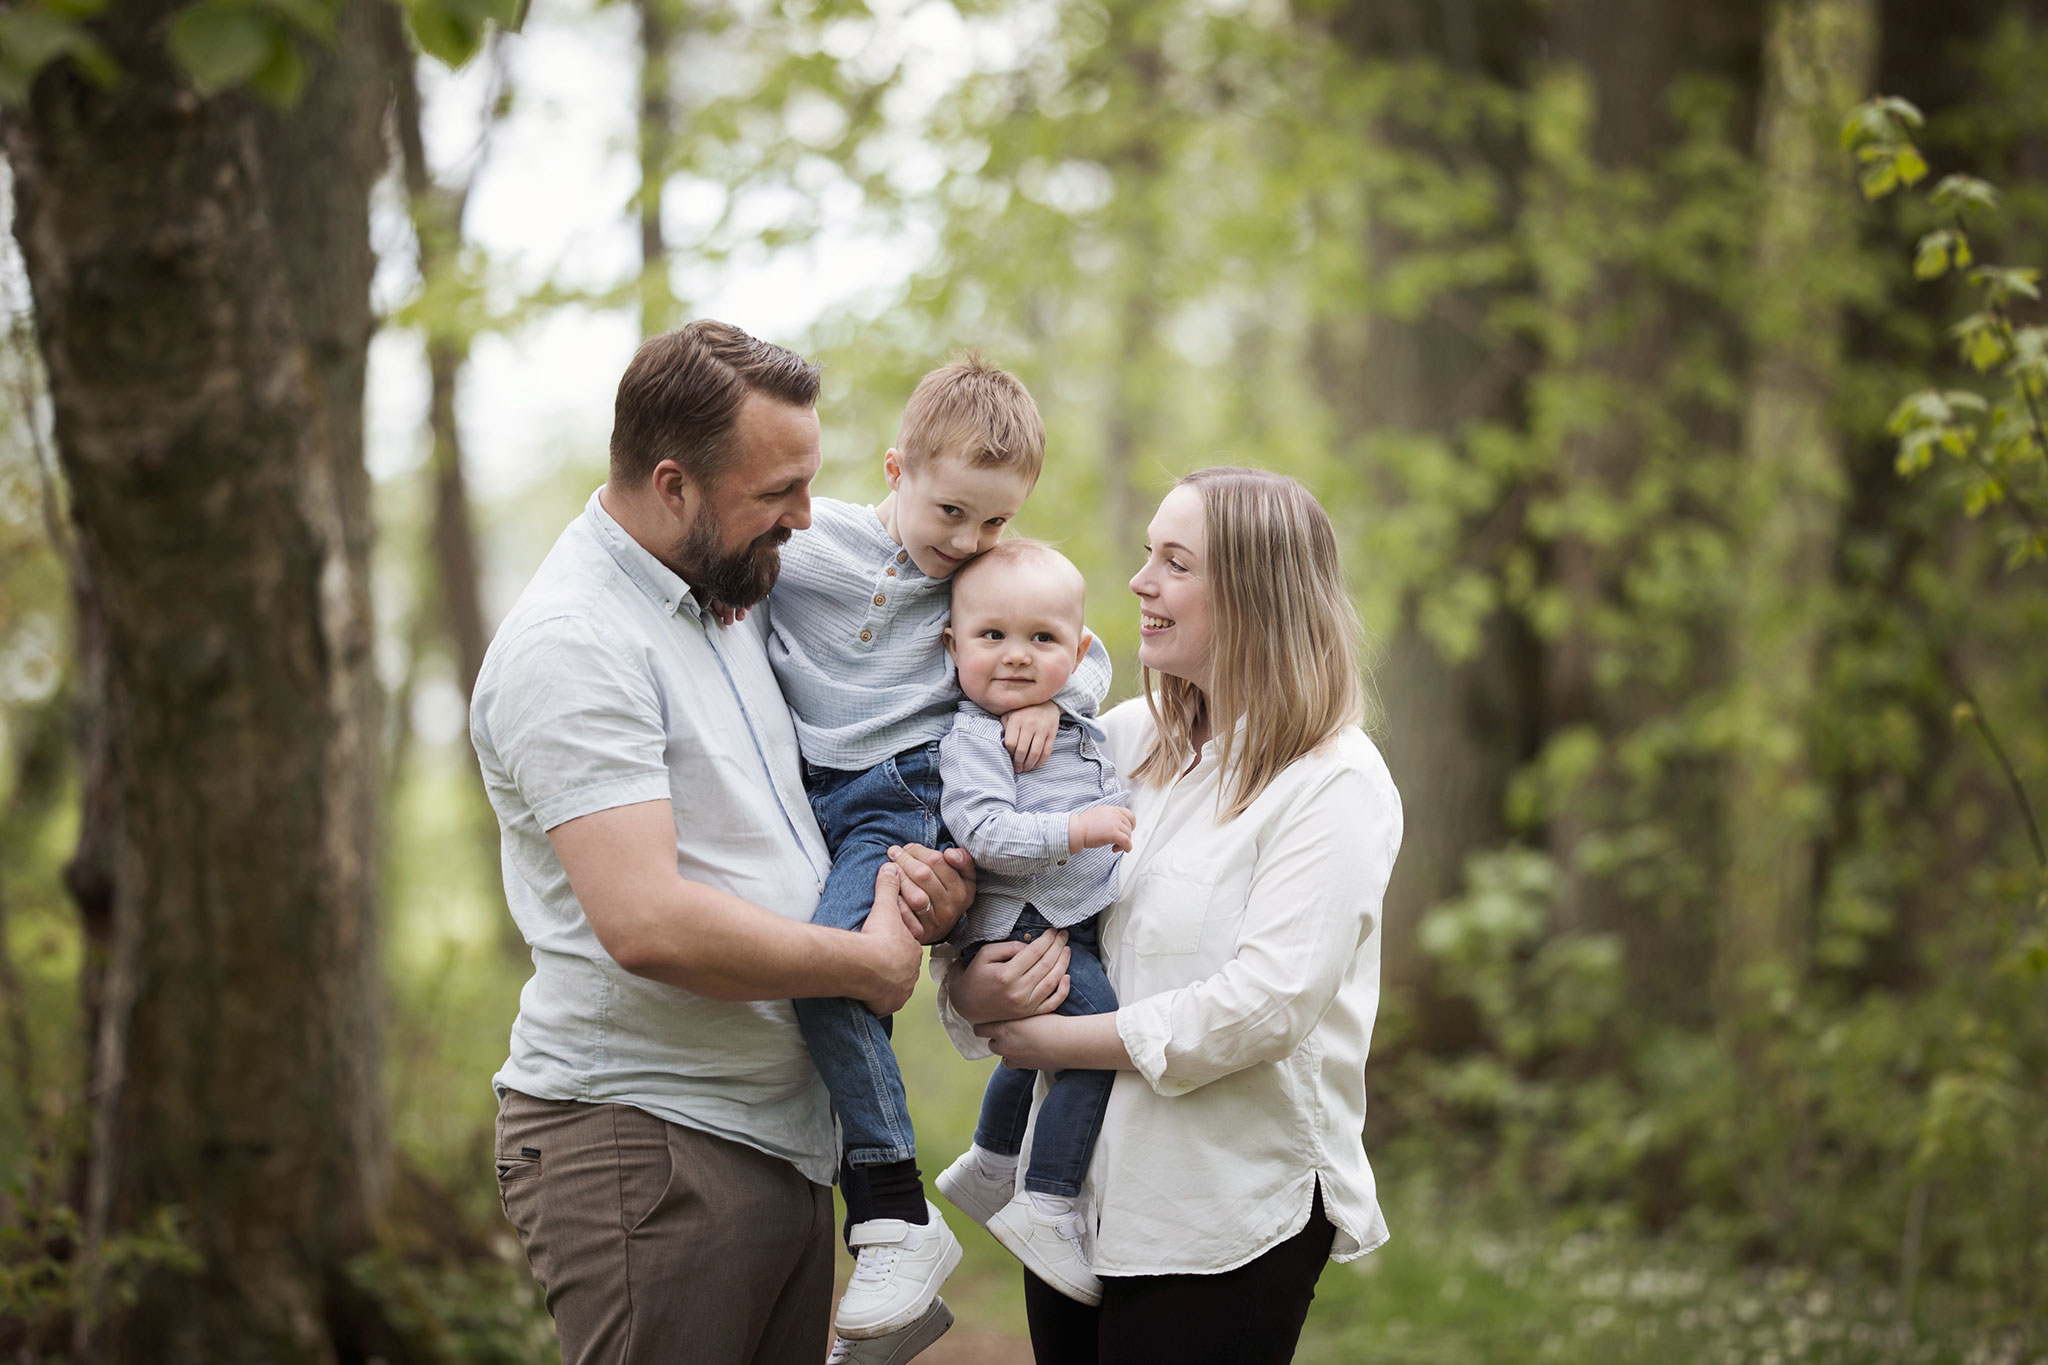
point(892, 468)
point(676, 490)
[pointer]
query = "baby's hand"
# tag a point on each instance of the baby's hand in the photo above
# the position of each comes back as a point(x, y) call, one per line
point(727, 615)
point(1101, 827)
point(1028, 733)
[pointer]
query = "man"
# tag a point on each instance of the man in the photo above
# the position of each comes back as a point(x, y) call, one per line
point(665, 1147)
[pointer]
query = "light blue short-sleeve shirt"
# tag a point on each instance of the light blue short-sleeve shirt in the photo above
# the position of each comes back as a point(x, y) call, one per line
point(608, 686)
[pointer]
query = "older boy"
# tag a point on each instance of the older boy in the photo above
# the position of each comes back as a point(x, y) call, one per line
point(856, 622)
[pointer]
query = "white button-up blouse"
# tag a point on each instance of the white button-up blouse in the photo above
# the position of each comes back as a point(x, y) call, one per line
point(1247, 957)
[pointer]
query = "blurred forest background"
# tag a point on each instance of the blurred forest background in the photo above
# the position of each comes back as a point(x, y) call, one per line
point(1689, 452)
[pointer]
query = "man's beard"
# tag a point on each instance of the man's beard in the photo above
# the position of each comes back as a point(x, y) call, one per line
point(738, 580)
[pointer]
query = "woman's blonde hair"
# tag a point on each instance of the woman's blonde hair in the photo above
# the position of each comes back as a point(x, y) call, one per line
point(1284, 638)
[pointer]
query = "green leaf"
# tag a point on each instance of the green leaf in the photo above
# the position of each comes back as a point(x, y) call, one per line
point(1930, 259)
point(314, 16)
point(1958, 193)
point(1911, 166)
point(283, 78)
point(34, 36)
point(221, 46)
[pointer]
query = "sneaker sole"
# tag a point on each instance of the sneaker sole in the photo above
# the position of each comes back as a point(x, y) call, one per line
point(957, 1191)
point(910, 1342)
point(948, 1263)
point(1020, 1246)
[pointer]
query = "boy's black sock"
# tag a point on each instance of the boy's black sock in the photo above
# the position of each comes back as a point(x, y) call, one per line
point(895, 1189)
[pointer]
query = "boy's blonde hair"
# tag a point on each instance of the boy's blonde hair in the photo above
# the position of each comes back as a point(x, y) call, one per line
point(975, 413)
point(1284, 642)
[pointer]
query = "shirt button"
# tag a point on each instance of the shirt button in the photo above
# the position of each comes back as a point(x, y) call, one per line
point(879, 599)
point(1059, 862)
point(903, 556)
point(890, 571)
point(866, 636)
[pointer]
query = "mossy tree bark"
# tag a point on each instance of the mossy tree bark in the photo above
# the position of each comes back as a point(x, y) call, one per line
point(200, 270)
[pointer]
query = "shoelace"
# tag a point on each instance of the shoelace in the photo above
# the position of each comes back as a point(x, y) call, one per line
point(842, 1349)
point(874, 1264)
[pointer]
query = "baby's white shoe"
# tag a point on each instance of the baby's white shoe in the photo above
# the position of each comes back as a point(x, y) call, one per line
point(1050, 1236)
point(974, 1188)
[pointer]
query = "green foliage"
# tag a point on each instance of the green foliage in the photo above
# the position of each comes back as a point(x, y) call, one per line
point(479, 1312)
point(43, 32)
point(2001, 438)
point(224, 45)
point(49, 1275)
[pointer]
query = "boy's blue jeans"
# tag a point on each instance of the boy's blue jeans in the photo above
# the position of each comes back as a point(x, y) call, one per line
point(1072, 1113)
point(861, 814)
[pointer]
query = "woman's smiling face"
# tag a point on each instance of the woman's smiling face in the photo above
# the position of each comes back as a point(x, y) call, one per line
point(1173, 594)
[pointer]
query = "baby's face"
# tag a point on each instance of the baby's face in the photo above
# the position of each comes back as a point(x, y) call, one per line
point(1016, 635)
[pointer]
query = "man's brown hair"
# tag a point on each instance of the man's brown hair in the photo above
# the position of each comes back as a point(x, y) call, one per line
point(975, 413)
point(680, 397)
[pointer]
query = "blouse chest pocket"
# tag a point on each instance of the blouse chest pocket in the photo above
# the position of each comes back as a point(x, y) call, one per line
point(1172, 908)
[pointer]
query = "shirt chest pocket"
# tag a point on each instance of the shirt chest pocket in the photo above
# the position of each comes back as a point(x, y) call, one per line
point(1172, 909)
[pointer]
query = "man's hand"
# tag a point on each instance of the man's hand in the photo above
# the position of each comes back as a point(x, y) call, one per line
point(1012, 980)
point(897, 953)
point(1028, 733)
point(937, 888)
point(1101, 827)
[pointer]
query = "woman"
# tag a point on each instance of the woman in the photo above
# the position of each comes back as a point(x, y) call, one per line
point(1244, 946)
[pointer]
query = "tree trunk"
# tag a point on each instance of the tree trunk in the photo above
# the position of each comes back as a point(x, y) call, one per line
point(200, 270)
point(657, 154)
point(1458, 729)
point(1819, 58)
point(438, 212)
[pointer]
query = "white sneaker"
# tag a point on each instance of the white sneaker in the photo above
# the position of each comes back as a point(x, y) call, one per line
point(972, 1191)
point(898, 1346)
point(897, 1270)
point(1055, 1249)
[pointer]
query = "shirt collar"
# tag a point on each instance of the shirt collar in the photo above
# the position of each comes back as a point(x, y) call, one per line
point(662, 585)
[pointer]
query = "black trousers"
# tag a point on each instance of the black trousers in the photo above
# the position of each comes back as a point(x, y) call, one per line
point(1248, 1316)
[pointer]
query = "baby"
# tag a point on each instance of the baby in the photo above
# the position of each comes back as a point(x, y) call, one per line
point(1046, 843)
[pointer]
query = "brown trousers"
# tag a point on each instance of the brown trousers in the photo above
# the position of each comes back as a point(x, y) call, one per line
point(658, 1244)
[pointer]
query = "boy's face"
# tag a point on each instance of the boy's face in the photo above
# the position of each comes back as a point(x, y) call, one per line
point(945, 512)
point(1016, 635)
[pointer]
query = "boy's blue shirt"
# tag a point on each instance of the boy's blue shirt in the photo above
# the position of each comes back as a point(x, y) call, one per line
point(855, 638)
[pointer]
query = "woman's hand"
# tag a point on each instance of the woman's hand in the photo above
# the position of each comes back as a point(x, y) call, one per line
point(1012, 980)
point(1055, 1042)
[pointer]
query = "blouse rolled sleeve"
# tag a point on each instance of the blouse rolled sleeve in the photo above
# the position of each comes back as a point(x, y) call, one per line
point(1314, 899)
